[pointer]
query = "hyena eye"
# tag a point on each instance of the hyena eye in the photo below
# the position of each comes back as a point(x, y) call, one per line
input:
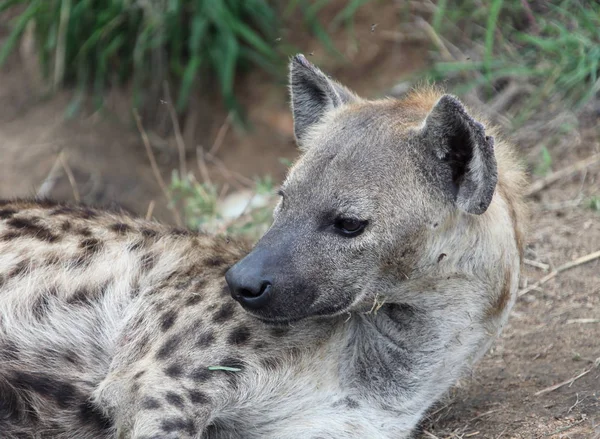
point(350, 227)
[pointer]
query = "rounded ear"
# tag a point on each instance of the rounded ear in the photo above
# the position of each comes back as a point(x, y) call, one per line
point(460, 143)
point(312, 95)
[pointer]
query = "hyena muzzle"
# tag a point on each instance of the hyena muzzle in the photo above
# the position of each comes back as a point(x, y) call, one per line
point(392, 263)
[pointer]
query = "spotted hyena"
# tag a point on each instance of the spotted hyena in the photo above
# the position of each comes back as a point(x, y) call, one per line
point(391, 265)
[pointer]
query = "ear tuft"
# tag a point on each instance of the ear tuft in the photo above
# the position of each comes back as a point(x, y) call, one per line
point(312, 94)
point(460, 143)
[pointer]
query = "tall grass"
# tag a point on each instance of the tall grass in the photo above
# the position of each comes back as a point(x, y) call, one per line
point(94, 44)
point(555, 47)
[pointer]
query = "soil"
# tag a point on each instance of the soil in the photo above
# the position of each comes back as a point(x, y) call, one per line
point(548, 339)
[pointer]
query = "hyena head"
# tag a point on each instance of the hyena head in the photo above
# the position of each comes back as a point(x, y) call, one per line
point(374, 179)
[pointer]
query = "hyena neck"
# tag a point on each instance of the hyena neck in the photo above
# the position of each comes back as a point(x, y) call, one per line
point(388, 353)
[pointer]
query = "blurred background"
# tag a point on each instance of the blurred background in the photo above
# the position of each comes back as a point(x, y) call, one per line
point(177, 110)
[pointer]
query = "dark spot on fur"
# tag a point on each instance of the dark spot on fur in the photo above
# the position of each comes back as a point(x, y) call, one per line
point(183, 285)
point(9, 236)
point(7, 213)
point(84, 231)
point(9, 351)
point(260, 345)
point(52, 260)
point(174, 371)
point(86, 213)
point(239, 336)
point(139, 374)
point(441, 256)
point(347, 402)
point(168, 347)
point(71, 357)
point(214, 261)
point(19, 269)
point(171, 425)
point(148, 261)
point(224, 313)
point(149, 403)
point(83, 296)
point(91, 245)
point(279, 331)
point(225, 291)
point(63, 393)
point(62, 210)
point(28, 227)
point(79, 296)
point(205, 339)
point(194, 299)
point(149, 233)
point(200, 374)
point(351, 403)
point(120, 228)
point(180, 232)
point(65, 226)
point(91, 414)
point(168, 320)
point(14, 405)
point(40, 307)
point(175, 400)
point(198, 397)
point(80, 261)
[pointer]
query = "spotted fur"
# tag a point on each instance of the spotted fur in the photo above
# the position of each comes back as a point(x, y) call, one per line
point(115, 327)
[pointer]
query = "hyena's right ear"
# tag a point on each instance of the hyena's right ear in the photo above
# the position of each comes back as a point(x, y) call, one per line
point(313, 94)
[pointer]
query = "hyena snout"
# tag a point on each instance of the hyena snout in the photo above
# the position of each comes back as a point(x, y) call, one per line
point(248, 283)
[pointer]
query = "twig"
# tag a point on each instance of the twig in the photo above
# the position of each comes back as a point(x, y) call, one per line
point(48, 183)
point(155, 170)
point(150, 210)
point(230, 175)
point(70, 176)
point(568, 427)
point(202, 166)
point(564, 383)
point(177, 128)
point(221, 135)
point(431, 435)
point(579, 261)
point(570, 322)
point(489, 412)
point(555, 176)
point(435, 39)
point(537, 264)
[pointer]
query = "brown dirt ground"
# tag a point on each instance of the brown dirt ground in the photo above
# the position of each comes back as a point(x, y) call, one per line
point(540, 347)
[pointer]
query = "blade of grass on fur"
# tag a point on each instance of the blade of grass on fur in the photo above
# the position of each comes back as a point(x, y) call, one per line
point(225, 368)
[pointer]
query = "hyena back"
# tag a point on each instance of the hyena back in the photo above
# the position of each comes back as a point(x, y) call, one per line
point(391, 265)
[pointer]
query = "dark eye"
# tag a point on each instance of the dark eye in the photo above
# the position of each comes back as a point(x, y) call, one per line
point(350, 227)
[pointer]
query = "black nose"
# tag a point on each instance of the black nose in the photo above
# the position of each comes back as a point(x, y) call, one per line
point(247, 288)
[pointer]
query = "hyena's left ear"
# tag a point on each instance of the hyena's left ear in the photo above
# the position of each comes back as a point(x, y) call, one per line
point(466, 154)
point(313, 94)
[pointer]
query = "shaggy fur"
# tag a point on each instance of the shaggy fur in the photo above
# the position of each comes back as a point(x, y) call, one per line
point(109, 325)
